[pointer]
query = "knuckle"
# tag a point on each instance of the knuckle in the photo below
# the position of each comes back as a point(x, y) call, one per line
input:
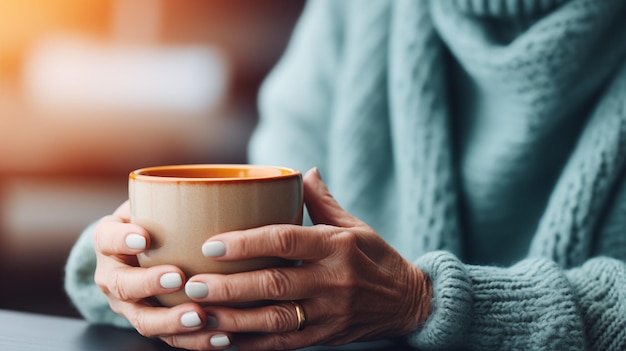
point(115, 287)
point(278, 320)
point(346, 240)
point(243, 245)
point(234, 321)
point(283, 240)
point(227, 291)
point(138, 321)
point(275, 283)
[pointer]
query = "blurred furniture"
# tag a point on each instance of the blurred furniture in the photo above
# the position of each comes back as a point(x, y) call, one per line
point(61, 169)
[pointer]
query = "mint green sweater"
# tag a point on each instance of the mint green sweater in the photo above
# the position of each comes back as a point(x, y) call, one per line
point(485, 140)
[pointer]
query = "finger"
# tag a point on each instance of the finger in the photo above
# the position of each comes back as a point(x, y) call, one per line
point(287, 241)
point(323, 208)
point(114, 237)
point(266, 284)
point(321, 205)
point(200, 340)
point(133, 283)
point(275, 318)
point(279, 341)
point(162, 321)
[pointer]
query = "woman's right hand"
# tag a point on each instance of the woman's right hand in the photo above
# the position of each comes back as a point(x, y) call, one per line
point(130, 288)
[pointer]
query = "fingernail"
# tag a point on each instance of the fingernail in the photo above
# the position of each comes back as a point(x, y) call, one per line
point(219, 340)
point(190, 319)
point(196, 290)
point(319, 175)
point(171, 281)
point(135, 241)
point(213, 249)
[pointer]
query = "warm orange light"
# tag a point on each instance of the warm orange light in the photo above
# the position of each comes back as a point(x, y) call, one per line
point(23, 21)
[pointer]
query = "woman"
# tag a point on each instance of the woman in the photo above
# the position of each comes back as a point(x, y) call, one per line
point(483, 144)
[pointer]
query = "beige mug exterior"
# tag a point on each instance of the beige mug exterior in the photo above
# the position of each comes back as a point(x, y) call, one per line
point(182, 212)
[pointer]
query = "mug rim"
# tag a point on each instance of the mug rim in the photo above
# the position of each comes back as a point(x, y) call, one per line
point(141, 173)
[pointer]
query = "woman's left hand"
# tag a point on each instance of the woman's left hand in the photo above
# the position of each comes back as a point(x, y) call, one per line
point(352, 285)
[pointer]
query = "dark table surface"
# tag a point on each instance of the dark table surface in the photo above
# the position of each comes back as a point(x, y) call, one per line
point(28, 332)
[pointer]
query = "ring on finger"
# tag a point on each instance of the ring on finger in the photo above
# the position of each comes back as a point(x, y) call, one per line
point(300, 315)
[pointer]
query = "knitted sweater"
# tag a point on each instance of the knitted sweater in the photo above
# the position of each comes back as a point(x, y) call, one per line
point(485, 140)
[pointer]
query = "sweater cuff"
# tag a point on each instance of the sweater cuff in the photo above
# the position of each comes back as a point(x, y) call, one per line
point(528, 306)
point(81, 287)
point(451, 303)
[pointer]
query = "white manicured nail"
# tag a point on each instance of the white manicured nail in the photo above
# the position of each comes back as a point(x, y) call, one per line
point(171, 281)
point(213, 249)
point(136, 241)
point(190, 319)
point(196, 290)
point(219, 340)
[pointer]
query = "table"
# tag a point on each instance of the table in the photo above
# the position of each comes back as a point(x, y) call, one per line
point(29, 332)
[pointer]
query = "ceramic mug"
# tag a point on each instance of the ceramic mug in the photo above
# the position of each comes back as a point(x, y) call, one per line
point(183, 206)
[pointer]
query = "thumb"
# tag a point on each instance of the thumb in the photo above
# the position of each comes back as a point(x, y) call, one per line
point(321, 205)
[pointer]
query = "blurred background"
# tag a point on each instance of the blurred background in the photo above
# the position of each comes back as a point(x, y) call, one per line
point(90, 90)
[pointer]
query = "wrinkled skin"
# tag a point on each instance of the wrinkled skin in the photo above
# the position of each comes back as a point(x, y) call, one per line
point(352, 285)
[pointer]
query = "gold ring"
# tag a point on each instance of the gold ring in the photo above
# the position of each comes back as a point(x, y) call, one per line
point(300, 315)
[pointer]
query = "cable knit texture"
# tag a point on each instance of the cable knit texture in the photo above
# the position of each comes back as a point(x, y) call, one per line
point(484, 139)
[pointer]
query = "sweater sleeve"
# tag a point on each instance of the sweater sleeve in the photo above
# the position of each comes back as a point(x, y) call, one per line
point(80, 286)
point(533, 305)
point(295, 99)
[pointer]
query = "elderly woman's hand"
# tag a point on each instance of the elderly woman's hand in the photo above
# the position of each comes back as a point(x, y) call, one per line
point(129, 288)
point(351, 284)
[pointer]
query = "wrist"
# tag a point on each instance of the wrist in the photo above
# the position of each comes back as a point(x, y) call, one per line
point(424, 305)
point(418, 303)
